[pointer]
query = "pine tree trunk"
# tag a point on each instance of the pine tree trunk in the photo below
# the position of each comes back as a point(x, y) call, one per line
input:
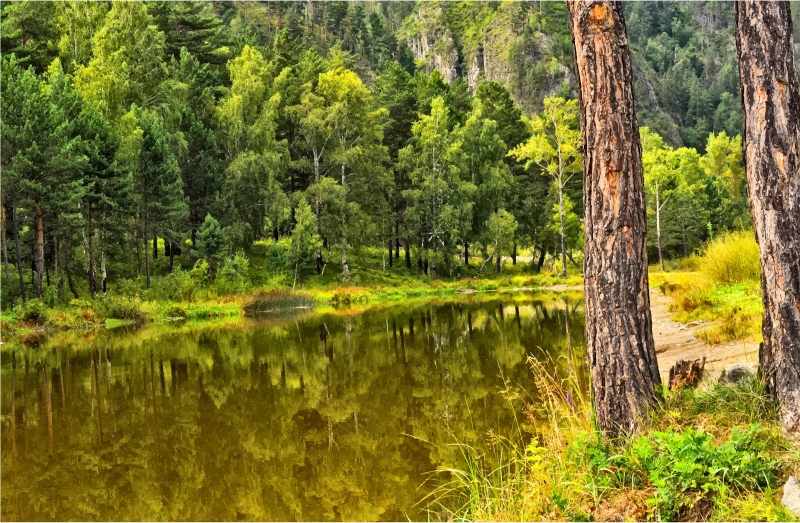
point(5, 255)
point(514, 254)
point(19, 259)
point(619, 330)
point(155, 246)
point(466, 254)
point(499, 263)
point(390, 253)
point(771, 99)
point(408, 255)
point(67, 268)
point(39, 260)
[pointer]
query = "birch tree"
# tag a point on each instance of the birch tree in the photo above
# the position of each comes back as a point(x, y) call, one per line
point(555, 149)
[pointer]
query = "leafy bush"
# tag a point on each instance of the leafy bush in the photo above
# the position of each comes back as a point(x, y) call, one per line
point(684, 467)
point(177, 286)
point(36, 310)
point(277, 257)
point(731, 258)
point(234, 275)
point(122, 308)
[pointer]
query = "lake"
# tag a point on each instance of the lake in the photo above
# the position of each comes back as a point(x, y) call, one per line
point(333, 414)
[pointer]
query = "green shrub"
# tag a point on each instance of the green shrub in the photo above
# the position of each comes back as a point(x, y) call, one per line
point(276, 257)
point(683, 467)
point(36, 310)
point(122, 308)
point(731, 258)
point(233, 275)
point(177, 286)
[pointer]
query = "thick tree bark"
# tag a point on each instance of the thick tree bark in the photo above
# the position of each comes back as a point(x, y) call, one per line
point(19, 259)
point(5, 255)
point(67, 268)
point(771, 100)
point(39, 259)
point(619, 331)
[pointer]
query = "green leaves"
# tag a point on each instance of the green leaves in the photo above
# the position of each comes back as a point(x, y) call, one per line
point(682, 465)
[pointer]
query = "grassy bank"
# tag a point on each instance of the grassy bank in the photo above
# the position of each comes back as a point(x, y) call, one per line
point(720, 288)
point(712, 454)
point(179, 296)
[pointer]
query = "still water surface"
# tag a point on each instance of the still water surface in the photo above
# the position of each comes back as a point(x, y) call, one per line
point(326, 416)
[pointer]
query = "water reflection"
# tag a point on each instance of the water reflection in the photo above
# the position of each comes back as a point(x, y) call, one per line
point(334, 416)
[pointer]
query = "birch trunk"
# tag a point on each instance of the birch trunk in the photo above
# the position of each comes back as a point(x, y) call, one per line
point(771, 100)
point(619, 331)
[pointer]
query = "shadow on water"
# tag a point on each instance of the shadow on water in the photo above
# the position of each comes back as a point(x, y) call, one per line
point(323, 416)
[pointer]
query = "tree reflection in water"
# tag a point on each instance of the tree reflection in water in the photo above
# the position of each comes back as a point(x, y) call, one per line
point(335, 416)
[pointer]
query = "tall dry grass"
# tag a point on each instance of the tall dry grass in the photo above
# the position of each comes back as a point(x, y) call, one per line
point(731, 258)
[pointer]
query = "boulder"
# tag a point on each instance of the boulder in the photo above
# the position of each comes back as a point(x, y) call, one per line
point(791, 495)
point(735, 373)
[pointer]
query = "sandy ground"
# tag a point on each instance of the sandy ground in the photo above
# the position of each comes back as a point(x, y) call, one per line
point(675, 341)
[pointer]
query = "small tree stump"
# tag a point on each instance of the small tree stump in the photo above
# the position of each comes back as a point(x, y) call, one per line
point(686, 373)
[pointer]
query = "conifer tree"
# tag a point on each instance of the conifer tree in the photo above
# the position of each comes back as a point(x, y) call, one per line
point(157, 178)
point(211, 244)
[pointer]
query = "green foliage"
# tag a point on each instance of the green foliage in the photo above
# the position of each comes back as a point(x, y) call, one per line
point(683, 467)
point(234, 275)
point(211, 245)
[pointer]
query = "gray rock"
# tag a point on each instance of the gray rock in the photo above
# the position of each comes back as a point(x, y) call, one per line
point(736, 373)
point(791, 495)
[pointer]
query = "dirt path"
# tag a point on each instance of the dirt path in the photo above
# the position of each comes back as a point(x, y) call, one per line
point(675, 341)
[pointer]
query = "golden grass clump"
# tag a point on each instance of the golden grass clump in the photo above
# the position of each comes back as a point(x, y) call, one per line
point(731, 258)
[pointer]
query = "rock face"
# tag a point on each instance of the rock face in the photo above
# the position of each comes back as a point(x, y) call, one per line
point(494, 50)
point(432, 42)
point(735, 373)
point(791, 495)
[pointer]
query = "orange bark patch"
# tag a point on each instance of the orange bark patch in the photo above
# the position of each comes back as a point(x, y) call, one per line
point(599, 13)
